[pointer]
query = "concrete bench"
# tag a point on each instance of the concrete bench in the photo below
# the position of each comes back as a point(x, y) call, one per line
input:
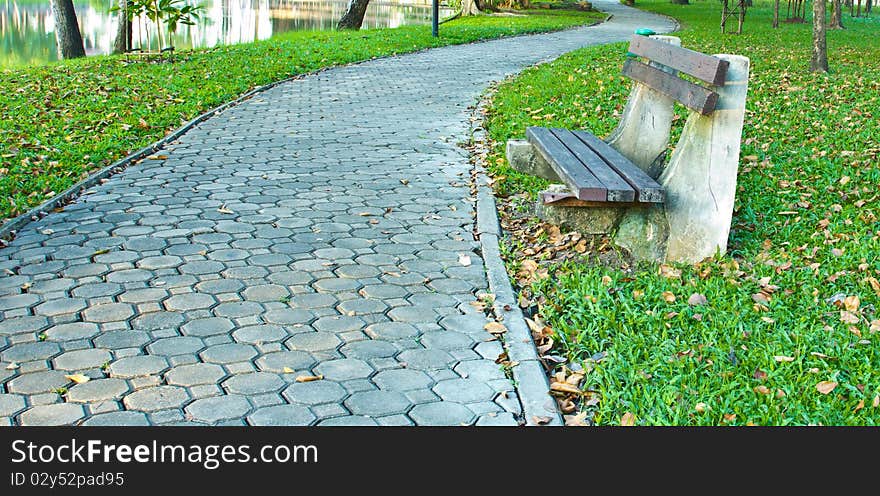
point(678, 210)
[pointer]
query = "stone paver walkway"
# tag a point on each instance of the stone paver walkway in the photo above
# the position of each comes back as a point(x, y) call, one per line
point(316, 229)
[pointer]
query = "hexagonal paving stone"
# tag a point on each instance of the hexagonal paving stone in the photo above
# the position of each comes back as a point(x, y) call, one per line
point(202, 267)
point(138, 366)
point(210, 326)
point(218, 408)
point(72, 331)
point(280, 360)
point(194, 374)
point(178, 345)
point(348, 421)
point(468, 324)
point(288, 316)
point(377, 403)
point(281, 415)
point(17, 325)
point(313, 341)
point(10, 404)
point(116, 340)
point(402, 380)
point(419, 359)
point(159, 262)
point(18, 301)
point(97, 390)
point(190, 301)
point(238, 309)
point(368, 349)
point(441, 413)
point(263, 333)
point(229, 353)
point(481, 370)
point(265, 292)
point(60, 306)
point(464, 390)
point(505, 419)
point(157, 320)
point(338, 324)
point(38, 382)
point(153, 399)
point(313, 301)
point(362, 306)
point(447, 340)
point(315, 392)
point(344, 369)
point(91, 358)
point(254, 383)
point(118, 419)
point(26, 352)
point(55, 414)
point(391, 330)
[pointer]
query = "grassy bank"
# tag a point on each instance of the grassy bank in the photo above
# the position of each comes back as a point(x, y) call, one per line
point(789, 331)
point(60, 121)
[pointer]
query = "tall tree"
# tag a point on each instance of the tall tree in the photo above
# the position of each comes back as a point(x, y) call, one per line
point(122, 42)
point(776, 14)
point(819, 60)
point(836, 15)
point(354, 17)
point(469, 8)
point(67, 35)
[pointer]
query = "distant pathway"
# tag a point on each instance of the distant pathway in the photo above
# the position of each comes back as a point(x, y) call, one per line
point(316, 229)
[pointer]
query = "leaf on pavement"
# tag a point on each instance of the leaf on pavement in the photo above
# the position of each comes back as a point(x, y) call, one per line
point(309, 378)
point(78, 378)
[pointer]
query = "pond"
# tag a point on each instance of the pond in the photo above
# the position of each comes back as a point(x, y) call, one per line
point(27, 26)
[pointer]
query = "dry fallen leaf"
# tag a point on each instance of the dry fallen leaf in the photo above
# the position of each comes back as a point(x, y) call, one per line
point(783, 358)
point(729, 417)
point(564, 387)
point(669, 272)
point(851, 303)
point(760, 298)
point(762, 390)
point(859, 406)
point(668, 297)
point(697, 299)
point(288, 370)
point(826, 387)
point(224, 210)
point(700, 407)
point(628, 419)
point(541, 420)
point(12, 366)
point(464, 260)
point(576, 420)
point(848, 317)
point(78, 378)
point(495, 328)
point(876, 401)
point(309, 378)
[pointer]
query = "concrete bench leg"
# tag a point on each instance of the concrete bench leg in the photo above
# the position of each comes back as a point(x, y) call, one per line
point(643, 131)
point(700, 180)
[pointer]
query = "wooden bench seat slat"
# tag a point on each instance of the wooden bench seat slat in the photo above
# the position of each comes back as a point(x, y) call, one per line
point(691, 95)
point(647, 189)
point(618, 189)
point(566, 165)
point(699, 65)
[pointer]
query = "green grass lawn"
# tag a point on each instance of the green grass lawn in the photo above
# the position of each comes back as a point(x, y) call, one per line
point(771, 346)
point(61, 121)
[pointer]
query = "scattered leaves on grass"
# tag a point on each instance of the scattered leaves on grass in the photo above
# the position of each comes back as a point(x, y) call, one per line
point(628, 419)
point(697, 299)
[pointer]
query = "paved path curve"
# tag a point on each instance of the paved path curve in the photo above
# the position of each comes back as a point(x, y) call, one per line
point(314, 229)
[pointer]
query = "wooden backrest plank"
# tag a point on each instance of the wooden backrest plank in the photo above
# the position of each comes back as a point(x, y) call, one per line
point(699, 65)
point(566, 165)
point(647, 189)
point(618, 189)
point(692, 96)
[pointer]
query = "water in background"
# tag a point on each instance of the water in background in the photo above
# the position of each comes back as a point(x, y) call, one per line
point(27, 26)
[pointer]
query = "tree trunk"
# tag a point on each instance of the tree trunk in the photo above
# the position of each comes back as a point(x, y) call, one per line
point(680, 2)
point(819, 60)
point(485, 6)
point(122, 42)
point(469, 8)
point(67, 35)
point(776, 14)
point(355, 15)
point(836, 15)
